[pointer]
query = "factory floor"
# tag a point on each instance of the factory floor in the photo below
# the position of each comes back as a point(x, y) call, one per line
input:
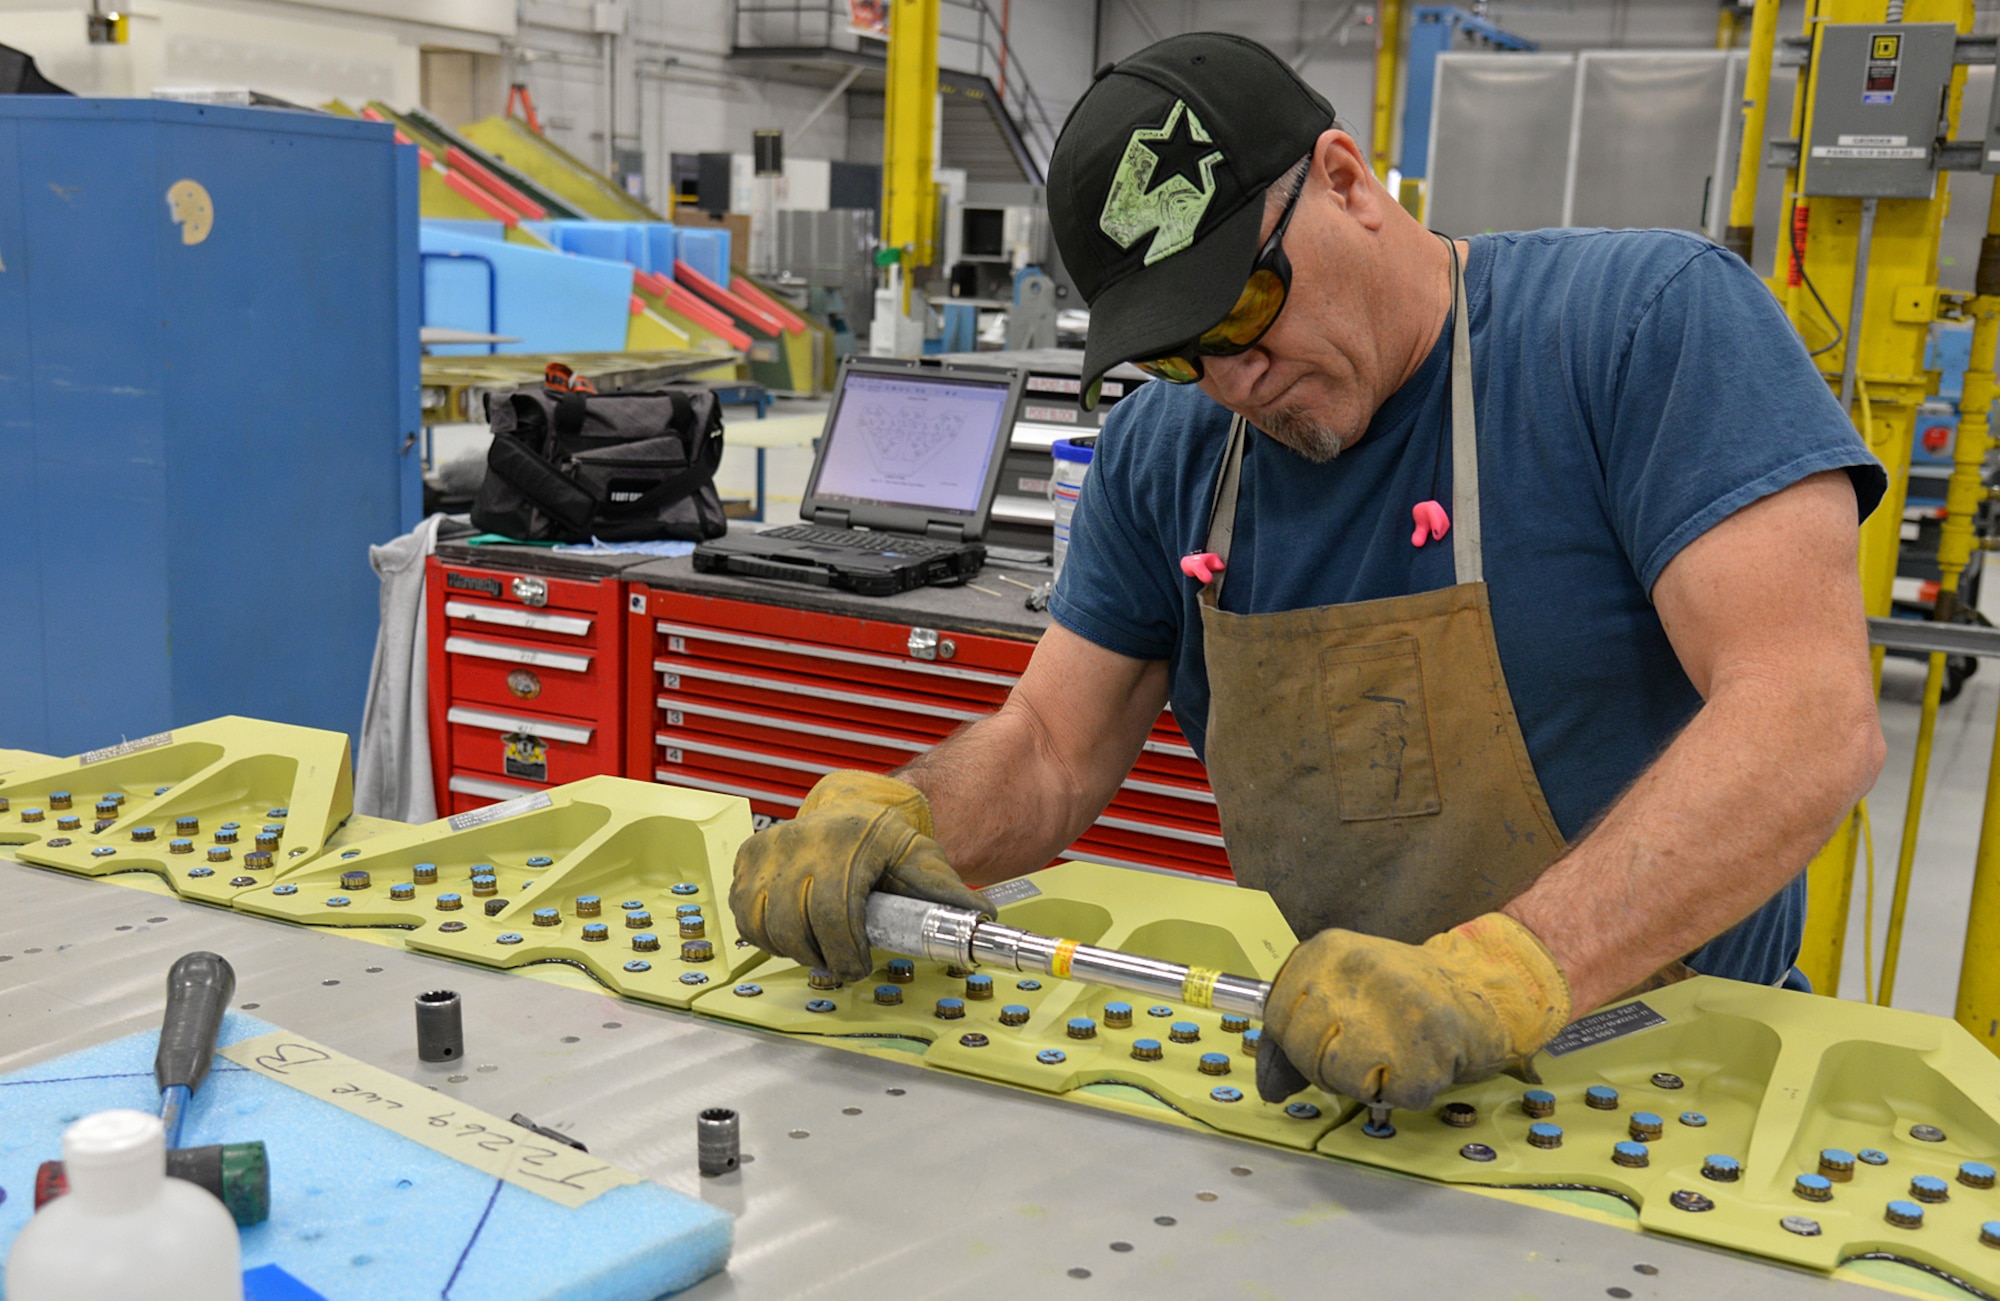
point(1934, 932)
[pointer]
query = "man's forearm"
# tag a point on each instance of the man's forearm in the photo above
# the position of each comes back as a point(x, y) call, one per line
point(1732, 810)
point(1002, 799)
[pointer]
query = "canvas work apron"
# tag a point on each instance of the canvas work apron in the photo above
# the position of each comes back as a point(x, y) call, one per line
point(1365, 758)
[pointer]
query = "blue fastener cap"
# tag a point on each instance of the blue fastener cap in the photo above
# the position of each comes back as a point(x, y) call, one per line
point(540, 860)
point(948, 1004)
point(1051, 1056)
point(1215, 1059)
point(1014, 1009)
point(1601, 1093)
point(632, 905)
point(1722, 1163)
point(1975, 1170)
point(1543, 1129)
point(680, 909)
point(546, 912)
point(902, 967)
point(588, 901)
point(1646, 1118)
point(1814, 1183)
point(1252, 1037)
point(1929, 1184)
point(1083, 1023)
point(1630, 1149)
point(1184, 1027)
point(1147, 1045)
point(889, 991)
point(1836, 1156)
point(1116, 1009)
point(232, 826)
point(979, 980)
point(1907, 1211)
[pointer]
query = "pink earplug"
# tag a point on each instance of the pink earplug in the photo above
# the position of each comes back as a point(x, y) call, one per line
point(1430, 519)
point(1202, 566)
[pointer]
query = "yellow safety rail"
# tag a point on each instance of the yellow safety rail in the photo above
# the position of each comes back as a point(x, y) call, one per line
point(909, 157)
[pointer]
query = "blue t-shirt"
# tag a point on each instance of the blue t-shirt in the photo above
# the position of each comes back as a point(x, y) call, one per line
point(1633, 389)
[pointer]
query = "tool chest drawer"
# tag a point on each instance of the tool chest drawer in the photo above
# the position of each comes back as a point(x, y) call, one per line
point(527, 681)
point(762, 701)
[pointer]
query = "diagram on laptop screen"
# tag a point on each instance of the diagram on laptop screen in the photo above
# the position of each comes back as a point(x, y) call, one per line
point(908, 442)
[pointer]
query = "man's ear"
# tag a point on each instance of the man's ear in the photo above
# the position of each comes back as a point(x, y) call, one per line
point(1337, 158)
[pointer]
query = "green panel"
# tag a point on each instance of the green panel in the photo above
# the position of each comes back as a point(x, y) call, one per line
point(1240, 931)
point(1778, 1077)
point(239, 770)
point(616, 840)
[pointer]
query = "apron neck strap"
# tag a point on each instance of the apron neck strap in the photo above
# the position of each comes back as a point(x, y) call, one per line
point(1465, 534)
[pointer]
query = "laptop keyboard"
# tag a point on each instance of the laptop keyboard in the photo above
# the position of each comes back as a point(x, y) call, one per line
point(861, 539)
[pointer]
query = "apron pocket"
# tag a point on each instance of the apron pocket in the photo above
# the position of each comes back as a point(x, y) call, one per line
point(1373, 695)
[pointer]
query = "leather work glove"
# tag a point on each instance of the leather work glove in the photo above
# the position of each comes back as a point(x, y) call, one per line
point(801, 888)
point(1385, 1022)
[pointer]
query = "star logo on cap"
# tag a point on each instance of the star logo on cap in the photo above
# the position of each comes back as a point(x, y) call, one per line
point(1163, 185)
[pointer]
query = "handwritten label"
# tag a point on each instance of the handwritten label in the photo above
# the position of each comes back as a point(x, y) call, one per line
point(495, 812)
point(465, 1134)
point(1603, 1027)
point(124, 748)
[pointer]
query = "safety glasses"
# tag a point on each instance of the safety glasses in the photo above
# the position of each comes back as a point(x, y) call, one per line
point(1256, 310)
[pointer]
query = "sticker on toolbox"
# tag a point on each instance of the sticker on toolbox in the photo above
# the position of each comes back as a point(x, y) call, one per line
point(525, 756)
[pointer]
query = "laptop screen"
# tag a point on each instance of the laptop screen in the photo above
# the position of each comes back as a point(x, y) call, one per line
point(912, 441)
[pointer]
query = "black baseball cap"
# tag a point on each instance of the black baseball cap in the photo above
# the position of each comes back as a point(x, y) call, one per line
point(1156, 188)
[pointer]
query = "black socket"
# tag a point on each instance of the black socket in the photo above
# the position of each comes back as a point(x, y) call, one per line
point(440, 1028)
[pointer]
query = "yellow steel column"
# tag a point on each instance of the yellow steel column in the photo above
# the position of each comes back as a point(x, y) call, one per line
point(1736, 237)
point(909, 129)
point(1388, 62)
point(1979, 977)
point(1901, 301)
point(1727, 26)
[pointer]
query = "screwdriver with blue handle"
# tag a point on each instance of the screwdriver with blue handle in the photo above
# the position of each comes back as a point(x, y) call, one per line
point(199, 987)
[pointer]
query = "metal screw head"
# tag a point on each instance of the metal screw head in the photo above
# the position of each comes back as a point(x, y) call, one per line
point(1477, 1152)
point(1225, 1093)
point(693, 978)
point(1302, 1111)
point(1872, 1156)
point(1927, 1133)
point(1028, 985)
point(284, 889)
point(974, 1040)
point(747, 990)
point(819, 1005)
point(1051, 1056)
point(510, 937)
point(1687, 1199)
point(638, 965)
point(451, 928)
point(685, 887)
point(1803, 1225)
point(201, 871)
point(1693, 1119)
point(104, 851)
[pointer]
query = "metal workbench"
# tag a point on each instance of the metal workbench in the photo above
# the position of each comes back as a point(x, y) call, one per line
point(863, 1177)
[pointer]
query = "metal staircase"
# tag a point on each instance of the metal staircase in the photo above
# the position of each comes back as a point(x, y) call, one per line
point(993, 124)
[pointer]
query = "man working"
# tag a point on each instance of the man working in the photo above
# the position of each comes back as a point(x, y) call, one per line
point(1592, 719)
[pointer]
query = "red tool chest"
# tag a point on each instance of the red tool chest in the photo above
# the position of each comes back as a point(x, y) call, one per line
point(752, 698)
point(527, 675)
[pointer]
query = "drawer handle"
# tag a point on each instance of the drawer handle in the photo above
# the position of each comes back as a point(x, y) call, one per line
point(531, 591)
point(507, 723)
point(492, 650)
point(567, 624)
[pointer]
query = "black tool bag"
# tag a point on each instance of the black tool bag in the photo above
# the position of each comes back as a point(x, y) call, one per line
point(567, 464)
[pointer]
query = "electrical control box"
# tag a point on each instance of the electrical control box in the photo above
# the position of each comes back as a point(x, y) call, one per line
point(1878, 99)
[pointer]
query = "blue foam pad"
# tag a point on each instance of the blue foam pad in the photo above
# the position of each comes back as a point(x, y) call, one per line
point(360, 1212)
point(549, 302)
point(707, 251)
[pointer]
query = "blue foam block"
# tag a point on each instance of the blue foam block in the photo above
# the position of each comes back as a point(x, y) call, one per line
point(359, 1213)
point(549, 302)
point(707, 251)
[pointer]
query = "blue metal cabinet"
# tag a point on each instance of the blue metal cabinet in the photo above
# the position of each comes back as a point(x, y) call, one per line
point(208, 410)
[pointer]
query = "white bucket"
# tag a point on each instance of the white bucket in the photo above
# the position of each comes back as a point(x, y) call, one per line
point(1066, 485)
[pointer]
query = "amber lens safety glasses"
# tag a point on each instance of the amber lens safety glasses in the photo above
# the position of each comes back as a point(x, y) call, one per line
point(1256, 310)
